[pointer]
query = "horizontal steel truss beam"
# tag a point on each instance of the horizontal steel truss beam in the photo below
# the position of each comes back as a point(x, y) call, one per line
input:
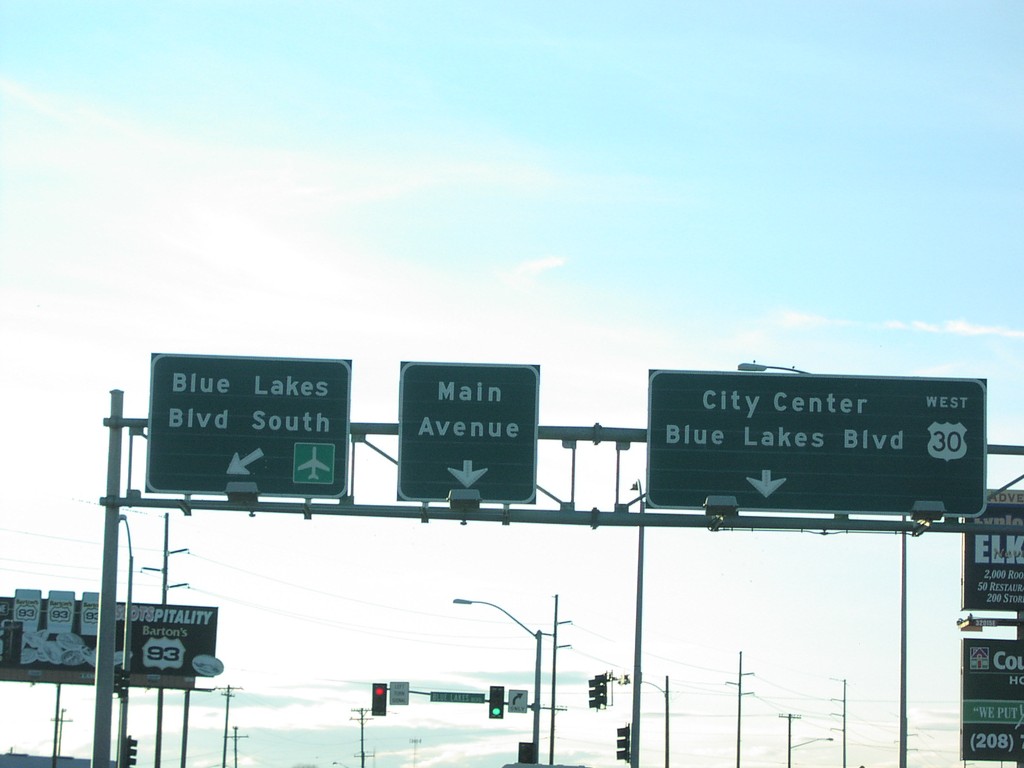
point(506, 514)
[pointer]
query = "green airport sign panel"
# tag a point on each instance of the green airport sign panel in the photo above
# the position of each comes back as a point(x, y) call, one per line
point(810, 443)
point(468, 428)
point(270, 426)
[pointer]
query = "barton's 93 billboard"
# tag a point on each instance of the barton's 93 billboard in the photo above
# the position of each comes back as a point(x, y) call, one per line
point(53, 639)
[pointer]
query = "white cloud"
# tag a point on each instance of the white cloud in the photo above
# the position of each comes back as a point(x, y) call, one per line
point(802, 320)
point(526, 272)
point(793, 319)
point(956, 328)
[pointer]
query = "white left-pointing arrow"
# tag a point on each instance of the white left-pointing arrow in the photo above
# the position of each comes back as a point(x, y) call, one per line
point(766, 486)
point(240, 466)
point(467, 475)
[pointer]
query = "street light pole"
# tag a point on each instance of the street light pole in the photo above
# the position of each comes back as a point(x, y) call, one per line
point(802, 743)
point(665, 692)
point(536, 674)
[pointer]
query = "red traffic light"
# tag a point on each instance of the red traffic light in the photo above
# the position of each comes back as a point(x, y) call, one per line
point(380, 700)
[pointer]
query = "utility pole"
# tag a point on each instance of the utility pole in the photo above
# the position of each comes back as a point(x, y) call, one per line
point(739, 707)
point(789, 738)
point(58, 728)
point(666, 724)
point(236, 737)
point(227, 709)
point(158, 748)
point(361, 716)
point(843, 681)
point(554, 677)
point(415, 743)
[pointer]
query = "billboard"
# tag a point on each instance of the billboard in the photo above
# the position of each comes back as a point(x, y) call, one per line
point(993, 563)
point(992, 707)
point(53, 639)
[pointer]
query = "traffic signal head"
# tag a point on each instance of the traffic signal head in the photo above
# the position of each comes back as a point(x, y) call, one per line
point(496, 702)
point(622, 744)
point(598, 692)
point(131, 750)
point(120, 681)
point(380, 700)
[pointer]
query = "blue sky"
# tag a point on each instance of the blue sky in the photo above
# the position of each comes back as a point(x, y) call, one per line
point(593, 188)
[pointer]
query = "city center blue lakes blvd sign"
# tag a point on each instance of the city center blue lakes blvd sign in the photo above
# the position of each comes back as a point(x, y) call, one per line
point(841, 444)
point(468, 427)
point(272, 426)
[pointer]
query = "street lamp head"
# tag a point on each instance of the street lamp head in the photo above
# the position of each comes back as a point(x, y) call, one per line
point(760, 368)
point(461, 601)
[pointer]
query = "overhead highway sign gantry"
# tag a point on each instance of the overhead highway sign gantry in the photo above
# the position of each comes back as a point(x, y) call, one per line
point(810, 443)
point(249, 425)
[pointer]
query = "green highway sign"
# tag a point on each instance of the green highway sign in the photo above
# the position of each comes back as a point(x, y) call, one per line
point(468, 427)
point(271, 426)
point(992, 713)
point(809, 443)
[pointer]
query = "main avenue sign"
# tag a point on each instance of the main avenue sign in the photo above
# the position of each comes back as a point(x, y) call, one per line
point(270, 426)
point(468, 427)
point(842, 444)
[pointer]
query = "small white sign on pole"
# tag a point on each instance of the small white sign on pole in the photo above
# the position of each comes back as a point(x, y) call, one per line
point(517, 701)
point(399, 693)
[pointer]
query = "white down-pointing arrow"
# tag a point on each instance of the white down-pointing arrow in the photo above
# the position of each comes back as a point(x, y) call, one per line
point(467, 475)
point(766, 486)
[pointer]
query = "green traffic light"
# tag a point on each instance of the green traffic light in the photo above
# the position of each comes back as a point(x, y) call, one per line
point(496, 702)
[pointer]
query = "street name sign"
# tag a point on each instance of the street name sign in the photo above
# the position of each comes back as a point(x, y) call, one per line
point(809, 443)
point(992, 712)
point(468, 427)
point(454, 697)
point(270, 426)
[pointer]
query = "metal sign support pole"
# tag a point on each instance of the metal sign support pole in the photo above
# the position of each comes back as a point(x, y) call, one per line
point(903, 650)
point(1020, 636)
point(634, 731)
point(108, 590)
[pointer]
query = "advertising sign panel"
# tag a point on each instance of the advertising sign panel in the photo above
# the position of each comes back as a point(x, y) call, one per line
point(993, 572)
point(993, 706)
point(54, 640)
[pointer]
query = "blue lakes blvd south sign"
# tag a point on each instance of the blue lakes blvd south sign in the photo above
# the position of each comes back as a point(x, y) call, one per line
point(271, 426)
point(809, 443)
point(468, 427)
